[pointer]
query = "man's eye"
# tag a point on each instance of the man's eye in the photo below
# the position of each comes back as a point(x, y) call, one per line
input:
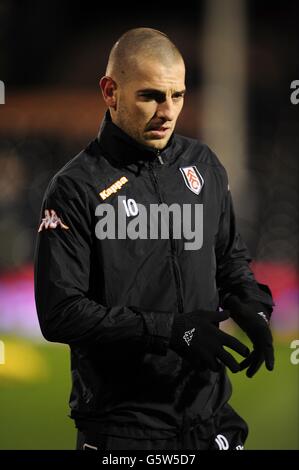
point(148, 97)
point(152, 97)
point(178, 96)
point(159, 98)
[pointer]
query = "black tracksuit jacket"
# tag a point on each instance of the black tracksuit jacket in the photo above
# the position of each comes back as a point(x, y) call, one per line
point(113, 300)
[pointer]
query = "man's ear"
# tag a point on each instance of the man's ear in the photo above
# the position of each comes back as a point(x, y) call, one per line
point(109, 87)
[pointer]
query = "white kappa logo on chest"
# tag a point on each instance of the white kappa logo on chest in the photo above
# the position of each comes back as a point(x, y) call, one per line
point(193, 179)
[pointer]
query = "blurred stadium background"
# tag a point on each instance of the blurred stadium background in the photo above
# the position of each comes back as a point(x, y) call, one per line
point(241, 58)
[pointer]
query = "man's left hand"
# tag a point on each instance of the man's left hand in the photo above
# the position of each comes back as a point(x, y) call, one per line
point(253, 318)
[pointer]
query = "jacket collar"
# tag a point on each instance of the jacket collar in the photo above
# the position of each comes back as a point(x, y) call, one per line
point(122, 149)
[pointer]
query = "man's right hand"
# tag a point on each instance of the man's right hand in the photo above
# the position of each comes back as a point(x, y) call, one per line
point(197, 338)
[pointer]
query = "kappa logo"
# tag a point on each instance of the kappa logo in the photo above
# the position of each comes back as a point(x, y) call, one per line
point(113, 188)
point(188, 335)
point(51, 220)
point(193, 179)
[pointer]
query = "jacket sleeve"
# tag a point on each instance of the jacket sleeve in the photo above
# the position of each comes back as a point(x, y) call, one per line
point(234, 276)
point(66, 311)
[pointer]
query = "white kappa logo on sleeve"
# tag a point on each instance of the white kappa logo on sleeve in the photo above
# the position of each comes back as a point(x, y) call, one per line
point(51, 220)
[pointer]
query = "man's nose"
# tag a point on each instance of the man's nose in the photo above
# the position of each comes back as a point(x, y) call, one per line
point(165, 110)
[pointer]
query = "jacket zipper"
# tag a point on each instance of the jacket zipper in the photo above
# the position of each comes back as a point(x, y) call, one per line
point(159, 157)
point(172, 242)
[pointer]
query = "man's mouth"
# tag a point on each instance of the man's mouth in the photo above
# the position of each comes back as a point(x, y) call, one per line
point(158, 131)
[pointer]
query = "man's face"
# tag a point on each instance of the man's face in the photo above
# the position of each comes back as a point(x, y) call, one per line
point(149, 104)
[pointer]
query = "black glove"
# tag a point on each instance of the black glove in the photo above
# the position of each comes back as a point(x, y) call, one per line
point(253, 317)
point(196, 337)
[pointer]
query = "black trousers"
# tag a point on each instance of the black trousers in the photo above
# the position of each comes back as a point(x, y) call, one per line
point(230, 433)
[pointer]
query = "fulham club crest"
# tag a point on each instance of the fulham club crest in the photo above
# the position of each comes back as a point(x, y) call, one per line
point(193, 179)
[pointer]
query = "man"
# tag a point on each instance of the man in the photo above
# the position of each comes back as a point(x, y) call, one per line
point(141, 312)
